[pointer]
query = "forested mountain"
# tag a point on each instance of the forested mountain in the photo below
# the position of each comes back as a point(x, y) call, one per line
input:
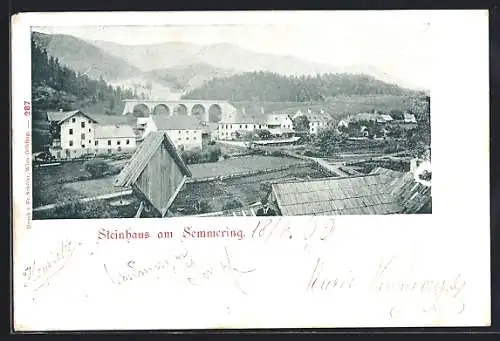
point(84, 57)
point(269, 86)
point(188, 77)
point(55, 86)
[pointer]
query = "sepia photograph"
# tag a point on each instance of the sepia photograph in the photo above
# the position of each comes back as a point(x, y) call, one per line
point(167, 121)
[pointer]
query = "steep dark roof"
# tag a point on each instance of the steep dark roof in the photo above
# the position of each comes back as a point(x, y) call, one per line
point(367, 194)
point(61, 116)
point(383, 192)
point(143, 154)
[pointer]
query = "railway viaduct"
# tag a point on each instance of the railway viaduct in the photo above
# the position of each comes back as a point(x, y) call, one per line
point(209, 111)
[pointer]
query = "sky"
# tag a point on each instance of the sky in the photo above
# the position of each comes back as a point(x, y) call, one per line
point(398, 43)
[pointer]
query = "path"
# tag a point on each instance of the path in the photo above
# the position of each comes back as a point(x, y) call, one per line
point(83, 200)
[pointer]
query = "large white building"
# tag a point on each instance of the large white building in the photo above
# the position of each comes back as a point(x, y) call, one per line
point(78, 134)
point(184, 131)
point(241, 123)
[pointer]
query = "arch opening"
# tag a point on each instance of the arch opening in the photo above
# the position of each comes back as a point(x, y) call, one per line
point(141, 110)
point(214, 113)
point(198, 111)
point(161, 109)
point(180, 109)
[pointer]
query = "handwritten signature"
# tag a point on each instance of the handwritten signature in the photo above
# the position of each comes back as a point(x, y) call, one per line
point(39, 272)
point(443, 293)
point(184, 266)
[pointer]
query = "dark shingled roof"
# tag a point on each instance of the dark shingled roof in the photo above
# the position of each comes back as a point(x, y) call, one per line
point(61, 116)
point(143, 154)
point(379, 193)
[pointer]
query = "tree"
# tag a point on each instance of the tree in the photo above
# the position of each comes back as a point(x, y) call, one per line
point(229, 205)
point(263, 133)
point(97, 168)
point(301, 123)
point(328, 140)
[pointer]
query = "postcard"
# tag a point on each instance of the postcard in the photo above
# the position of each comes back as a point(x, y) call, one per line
point(250, 169)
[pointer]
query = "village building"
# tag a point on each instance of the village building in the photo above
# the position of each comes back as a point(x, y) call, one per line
point(384, 118)
point(186, 132)
point(109, 139)
point(318, 122)
point(241, 123)
point(409, 118)
point(77, 134)
point(344, 123)
point(380, 192)
point(156, 173)
point(280, 125)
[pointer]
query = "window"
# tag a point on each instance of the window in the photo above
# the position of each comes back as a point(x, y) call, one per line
point(260, 126)
point(73, 120)
point(96, 143)
point(110, 151)
point(254, 126)
point(179, 131)
point(231, 126)
point(119, 149)
point(70, 143)
point(83, 124)
point(90, 142)
point(71, 131)
point(89, 130)
point(127, 142)
point(83, 146)
point(90, 121)
point(180, 138)
point(240, 126)
point(109, 142)
point(118, 142)
point(246, 126)
point(83, 136)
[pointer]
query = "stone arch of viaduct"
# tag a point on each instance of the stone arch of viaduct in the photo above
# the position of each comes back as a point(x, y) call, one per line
point(209, 111)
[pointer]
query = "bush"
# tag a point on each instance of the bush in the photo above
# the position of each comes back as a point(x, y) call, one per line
point(203, 206)
point(97, 168)
point(231, 205)
point(225, 156)
point(277, 153)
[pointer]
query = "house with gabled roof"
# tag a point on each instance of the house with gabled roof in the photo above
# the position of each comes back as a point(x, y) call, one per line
point(185, 131)
point(76, 133)
point(242, 122)
point(156, 172)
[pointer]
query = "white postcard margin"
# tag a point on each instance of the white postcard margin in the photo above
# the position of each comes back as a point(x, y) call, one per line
point(435, 268)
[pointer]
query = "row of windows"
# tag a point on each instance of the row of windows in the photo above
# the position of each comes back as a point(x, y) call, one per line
point(187, 138)
point(230, 126)
point(97, 143)
point(75, 152)
point(71, 130)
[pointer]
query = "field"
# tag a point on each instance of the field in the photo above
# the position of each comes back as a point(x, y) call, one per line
point(47, 188)
point(245, 190)
point(239, 165)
